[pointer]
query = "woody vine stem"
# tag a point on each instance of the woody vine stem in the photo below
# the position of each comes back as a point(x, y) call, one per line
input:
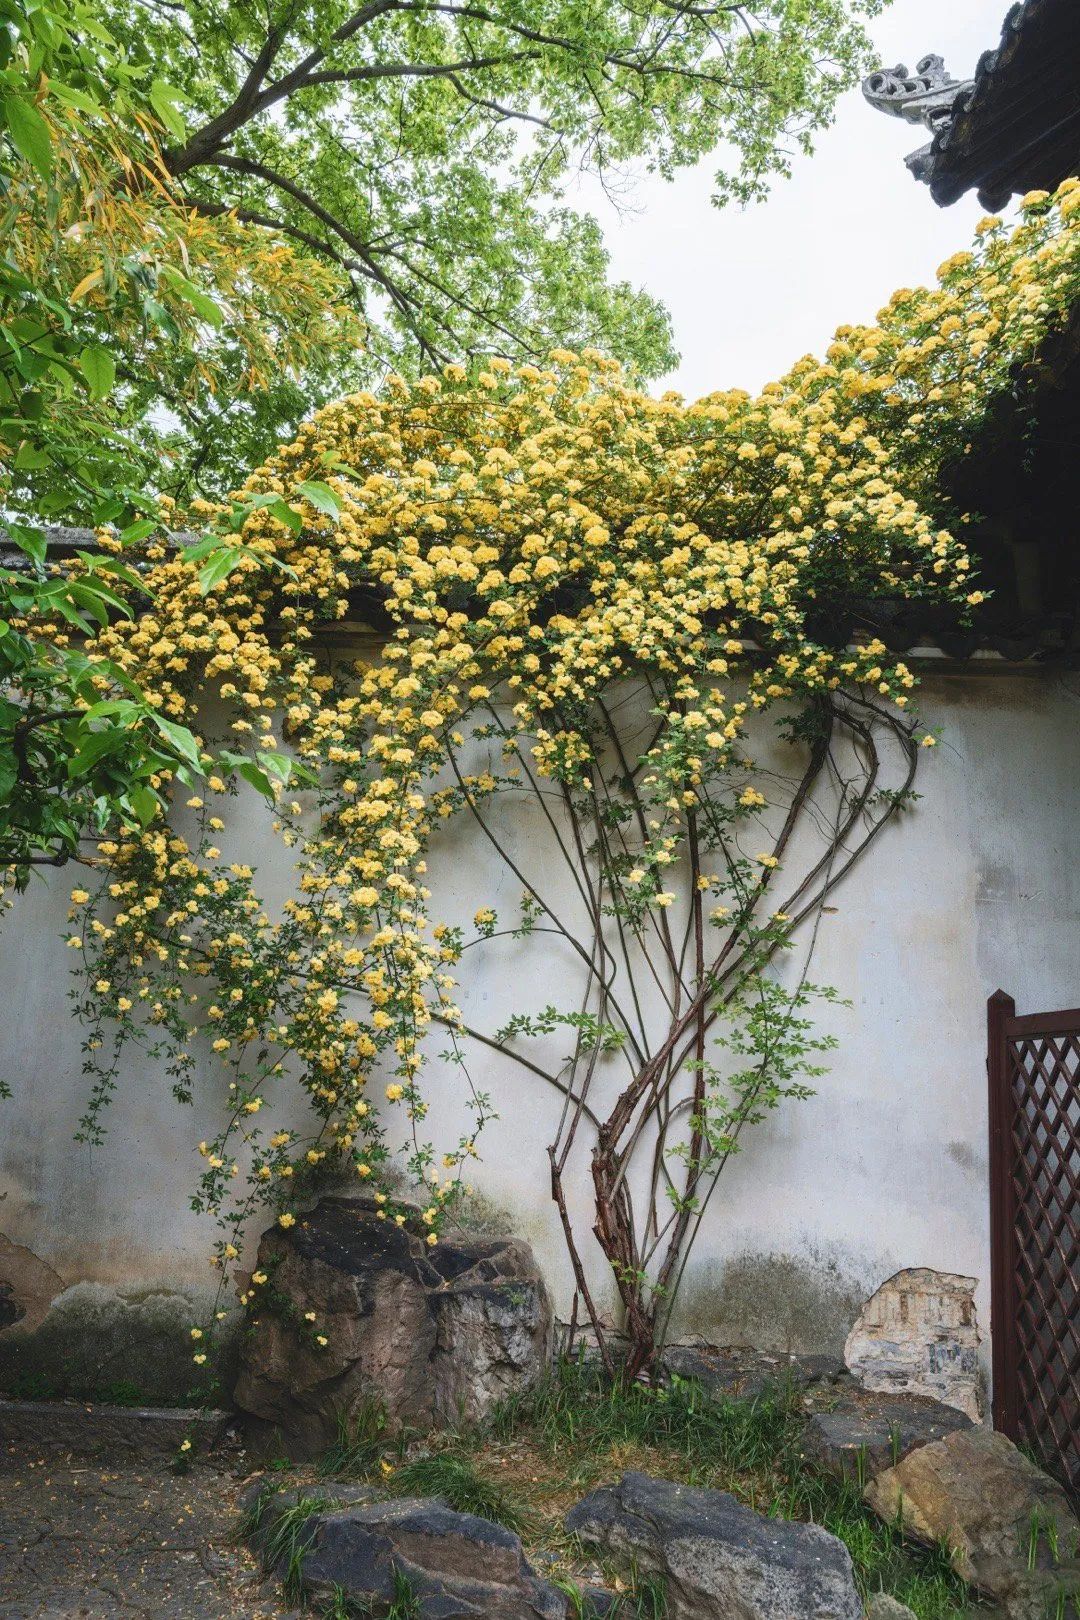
point(704, 965)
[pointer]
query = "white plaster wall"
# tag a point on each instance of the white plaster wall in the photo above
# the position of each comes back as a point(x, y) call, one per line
point(975, 887)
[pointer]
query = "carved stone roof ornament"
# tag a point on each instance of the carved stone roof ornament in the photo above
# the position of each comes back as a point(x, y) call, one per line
point(928, 97)
point(1013, 126)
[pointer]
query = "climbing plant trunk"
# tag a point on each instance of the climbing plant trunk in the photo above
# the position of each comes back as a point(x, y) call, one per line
point(658, 1147)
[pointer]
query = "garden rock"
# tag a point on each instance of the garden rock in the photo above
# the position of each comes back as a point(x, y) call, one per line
point(433, 1335)
point(716, 1557)
point(1000, 1515)
point(737, 1373)
point(883, 1607)
point(918, 1335)
point(864, 1433)
point(455, 1566)
point(597, 1603)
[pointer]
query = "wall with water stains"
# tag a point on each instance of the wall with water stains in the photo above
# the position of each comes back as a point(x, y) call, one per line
point(975, 886)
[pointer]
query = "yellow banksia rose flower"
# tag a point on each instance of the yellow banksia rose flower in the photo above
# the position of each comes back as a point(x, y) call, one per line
point(536, 540)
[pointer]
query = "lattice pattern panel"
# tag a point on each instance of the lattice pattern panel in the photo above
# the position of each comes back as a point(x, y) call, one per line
point(1045, 1076)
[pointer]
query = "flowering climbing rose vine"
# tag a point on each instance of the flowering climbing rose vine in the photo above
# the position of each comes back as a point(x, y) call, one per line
point(546, 551)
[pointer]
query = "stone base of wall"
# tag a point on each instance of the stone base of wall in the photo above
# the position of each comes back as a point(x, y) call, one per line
point(30, 1428)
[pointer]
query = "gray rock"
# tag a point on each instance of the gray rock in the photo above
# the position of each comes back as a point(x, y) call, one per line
point(1010, 1528)
point(742, 1374)
point(864, 1433)
point(455, 1565)
point(918, 1334)
point(883, 1607)
point(434, 1335)
point(716, 1557)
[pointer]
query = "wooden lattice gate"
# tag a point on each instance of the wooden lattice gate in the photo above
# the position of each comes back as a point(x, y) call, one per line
point(1034, 1069)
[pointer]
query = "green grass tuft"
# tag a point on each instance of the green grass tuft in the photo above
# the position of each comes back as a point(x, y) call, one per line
point(404, 1604)
point(645, 1600)
point(578, 1406)
point(284, 1543)
point(462, 1486)
point(362, 1439)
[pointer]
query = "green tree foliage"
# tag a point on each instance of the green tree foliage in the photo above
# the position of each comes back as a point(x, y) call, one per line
point(424, 147)
point(110, 294)
point(80, 747)
point(115, 299)
point(209, 208)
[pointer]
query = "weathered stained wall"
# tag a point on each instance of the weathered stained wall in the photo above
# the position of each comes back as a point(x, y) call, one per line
point(975, 887)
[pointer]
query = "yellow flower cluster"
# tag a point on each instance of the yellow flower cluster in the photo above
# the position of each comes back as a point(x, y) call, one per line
point(528, 538)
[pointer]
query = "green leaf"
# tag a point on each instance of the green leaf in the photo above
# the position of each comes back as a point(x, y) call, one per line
point(202, 548)
point(203, 306)
point(99, 369)
point(321, 496)
point(220, 564)
point(30, 458)
point(144, 802)
point(137, 531)
point(67, 610)
point(32, 541)
point(285, 514)
point(113, 565)
point(258, 778)
point(90, 25)
point(29, 133)
point(164, 99)
point(277, 765)
point(180, 738)
point(82, 589)
point(75, 98)
point(93, 750)
point(90, 600)
point(122, 709)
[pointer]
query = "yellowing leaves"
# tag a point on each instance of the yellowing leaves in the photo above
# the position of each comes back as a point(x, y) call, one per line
point(93, 279)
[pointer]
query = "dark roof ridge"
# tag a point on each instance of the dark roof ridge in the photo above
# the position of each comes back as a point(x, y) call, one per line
point(972, 144)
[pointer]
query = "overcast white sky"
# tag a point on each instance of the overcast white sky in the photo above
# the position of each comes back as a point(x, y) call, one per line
point(751, 290)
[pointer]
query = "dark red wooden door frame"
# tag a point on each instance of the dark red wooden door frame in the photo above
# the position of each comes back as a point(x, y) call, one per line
point(1019, 1050)
point(1001, 1010)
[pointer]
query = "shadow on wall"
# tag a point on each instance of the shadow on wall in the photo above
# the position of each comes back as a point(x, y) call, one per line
point(802, 1304)
point(131, 1346)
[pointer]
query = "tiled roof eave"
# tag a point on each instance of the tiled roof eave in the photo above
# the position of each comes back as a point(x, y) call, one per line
point(989, 133)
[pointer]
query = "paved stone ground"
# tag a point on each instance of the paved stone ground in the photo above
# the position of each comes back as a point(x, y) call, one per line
point(86, 1541)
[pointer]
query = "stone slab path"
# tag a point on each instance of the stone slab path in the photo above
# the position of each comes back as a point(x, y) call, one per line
point(86, 1541)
